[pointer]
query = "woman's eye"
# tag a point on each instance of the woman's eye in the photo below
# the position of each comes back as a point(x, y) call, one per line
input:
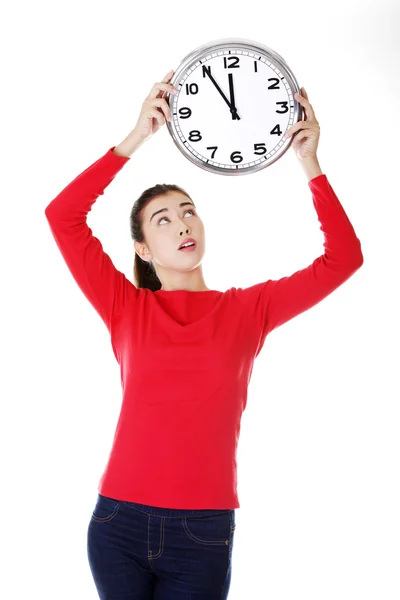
point(189, 210)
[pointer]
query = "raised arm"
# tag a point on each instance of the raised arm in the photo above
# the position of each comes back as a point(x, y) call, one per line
point(106, 288)
point(275, 302)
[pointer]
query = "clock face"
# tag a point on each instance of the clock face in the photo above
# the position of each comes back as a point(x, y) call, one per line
point(232, 110)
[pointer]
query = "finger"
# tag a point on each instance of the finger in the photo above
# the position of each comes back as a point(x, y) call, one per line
point(163, 104)
point(168, 75)
point(157, 115)
point(160, 87)
point(309, 111)
point(304, 95)
point(166, 79)
point(302, 134)
point(296, 127)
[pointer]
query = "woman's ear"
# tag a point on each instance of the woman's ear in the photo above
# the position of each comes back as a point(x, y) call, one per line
point(142, 250)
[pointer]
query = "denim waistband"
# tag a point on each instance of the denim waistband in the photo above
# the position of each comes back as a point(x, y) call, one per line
point(174, 512)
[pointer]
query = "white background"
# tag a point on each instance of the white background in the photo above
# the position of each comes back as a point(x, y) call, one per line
point(319, 447)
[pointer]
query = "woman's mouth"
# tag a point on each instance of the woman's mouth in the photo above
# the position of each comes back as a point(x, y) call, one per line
point(189, 248)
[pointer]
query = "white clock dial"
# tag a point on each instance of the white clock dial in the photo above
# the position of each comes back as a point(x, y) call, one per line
point(232, 110)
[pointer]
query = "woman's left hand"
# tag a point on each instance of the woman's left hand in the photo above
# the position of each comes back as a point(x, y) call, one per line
point(306, 132)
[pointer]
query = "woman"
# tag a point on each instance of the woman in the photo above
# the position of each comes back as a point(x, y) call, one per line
point(164, 520)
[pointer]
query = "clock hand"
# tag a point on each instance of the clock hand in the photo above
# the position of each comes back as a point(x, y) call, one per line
point(232, 93)
point(220, 91)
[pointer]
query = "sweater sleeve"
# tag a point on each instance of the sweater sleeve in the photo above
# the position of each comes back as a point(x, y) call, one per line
point(106, 288)
point(275, 302)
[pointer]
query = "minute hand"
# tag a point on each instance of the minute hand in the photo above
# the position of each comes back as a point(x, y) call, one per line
point(231, 107)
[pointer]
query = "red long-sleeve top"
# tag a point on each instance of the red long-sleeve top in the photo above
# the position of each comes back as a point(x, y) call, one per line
point(186, 358)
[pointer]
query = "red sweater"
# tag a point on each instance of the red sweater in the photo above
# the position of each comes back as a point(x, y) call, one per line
point(186, 358)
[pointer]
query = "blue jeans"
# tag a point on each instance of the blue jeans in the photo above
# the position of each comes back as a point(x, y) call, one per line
point(141, 552)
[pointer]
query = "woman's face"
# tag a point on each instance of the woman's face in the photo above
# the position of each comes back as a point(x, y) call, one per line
point(167, 220)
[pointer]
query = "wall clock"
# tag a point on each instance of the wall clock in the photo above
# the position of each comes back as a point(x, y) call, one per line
point(235, 103)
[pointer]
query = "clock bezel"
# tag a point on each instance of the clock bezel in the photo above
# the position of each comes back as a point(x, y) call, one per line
point(218, 46)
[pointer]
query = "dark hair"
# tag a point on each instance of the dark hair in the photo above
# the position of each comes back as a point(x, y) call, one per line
point(144, 274)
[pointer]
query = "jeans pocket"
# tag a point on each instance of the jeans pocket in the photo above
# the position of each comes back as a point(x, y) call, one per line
point(214, 529)
point(106, 508)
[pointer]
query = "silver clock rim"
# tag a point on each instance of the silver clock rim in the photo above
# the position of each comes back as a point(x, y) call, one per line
point(216, 46)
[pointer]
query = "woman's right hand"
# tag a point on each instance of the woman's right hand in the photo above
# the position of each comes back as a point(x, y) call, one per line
point(151, 118)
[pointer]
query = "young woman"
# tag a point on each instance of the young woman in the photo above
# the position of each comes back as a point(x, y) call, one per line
point(164, 520)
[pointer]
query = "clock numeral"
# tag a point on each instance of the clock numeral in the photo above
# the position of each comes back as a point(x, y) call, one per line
point(197, 135)
point(208, 69)
point(255, 66)
point(260, 147)
point(285, 105)
point(212, 148)
point(193, 88)
point(273, 86)
point(236, 157)
point(185, 112)
point(276, 130)
point(235, 65)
